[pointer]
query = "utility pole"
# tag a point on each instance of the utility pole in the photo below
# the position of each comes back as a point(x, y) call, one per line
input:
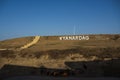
point(74, 30)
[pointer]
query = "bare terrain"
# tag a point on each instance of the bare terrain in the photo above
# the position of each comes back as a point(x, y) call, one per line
point(98, 56)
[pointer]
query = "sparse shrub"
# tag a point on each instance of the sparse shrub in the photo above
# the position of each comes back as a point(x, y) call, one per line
point(56, 54)
point(38, 54)
point(115, 37)
point(23, 54)
point(86, 52)
point(7, 54)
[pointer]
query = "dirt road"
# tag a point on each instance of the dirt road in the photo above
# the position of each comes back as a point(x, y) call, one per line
point(35, 40)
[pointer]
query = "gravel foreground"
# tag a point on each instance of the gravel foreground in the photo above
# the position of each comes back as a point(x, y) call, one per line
point(61, 78)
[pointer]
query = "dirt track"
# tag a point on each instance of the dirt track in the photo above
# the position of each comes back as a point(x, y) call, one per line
point(35, 40)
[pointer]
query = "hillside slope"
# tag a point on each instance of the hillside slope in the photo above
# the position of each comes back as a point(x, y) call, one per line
point(15, 43)
point(51, 52)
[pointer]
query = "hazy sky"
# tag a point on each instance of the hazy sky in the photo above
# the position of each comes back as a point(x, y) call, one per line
point(58, 17)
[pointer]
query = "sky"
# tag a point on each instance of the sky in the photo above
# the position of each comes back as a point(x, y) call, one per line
point(19, 18)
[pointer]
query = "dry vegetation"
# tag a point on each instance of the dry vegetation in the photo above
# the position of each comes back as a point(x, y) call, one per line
point(101, 53)
point(15, 43)
point(97, 53)
point(50, 49)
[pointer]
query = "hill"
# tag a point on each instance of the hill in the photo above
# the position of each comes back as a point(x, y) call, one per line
point(15, 43)
point(55, 51)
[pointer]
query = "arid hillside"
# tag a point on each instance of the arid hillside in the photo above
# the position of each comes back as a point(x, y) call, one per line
point(52, 52)
point(15, 43)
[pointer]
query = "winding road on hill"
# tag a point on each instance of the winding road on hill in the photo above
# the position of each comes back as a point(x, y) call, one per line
point(35, 40)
